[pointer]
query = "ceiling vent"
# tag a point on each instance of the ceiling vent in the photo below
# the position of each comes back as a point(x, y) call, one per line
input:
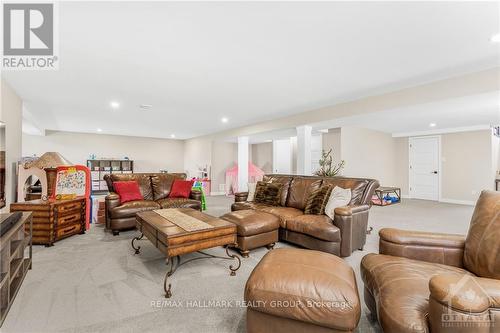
point(145, 106)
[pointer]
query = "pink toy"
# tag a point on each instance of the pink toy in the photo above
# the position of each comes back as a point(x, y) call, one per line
point(254, 174)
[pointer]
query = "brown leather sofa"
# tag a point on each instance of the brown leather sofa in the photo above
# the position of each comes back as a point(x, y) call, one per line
point(341, 237)
point(429, 282)
point(155, 188)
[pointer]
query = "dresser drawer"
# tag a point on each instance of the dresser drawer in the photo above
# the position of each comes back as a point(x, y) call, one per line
point(68, 230)
point(72, 218)
point(70, 206)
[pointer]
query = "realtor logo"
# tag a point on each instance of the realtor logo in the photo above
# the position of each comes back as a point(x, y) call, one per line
point(29, 32)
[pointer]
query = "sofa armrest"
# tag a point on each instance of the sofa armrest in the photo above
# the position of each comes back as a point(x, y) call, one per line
point(240, 196)
point(446, 249)
point(351, 209)
point(195, 195)
point(352, 221)
point(464, 299)
point(465, 292)
point(111, 201)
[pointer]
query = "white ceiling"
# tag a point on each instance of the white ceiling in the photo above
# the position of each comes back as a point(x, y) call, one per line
point(250, 62)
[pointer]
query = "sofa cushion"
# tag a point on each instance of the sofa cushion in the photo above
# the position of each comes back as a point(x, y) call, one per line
point(339, 197)
point(162, 184)
point(128, 191)
point(311, 286)
point(268, 193)
point(143, 179)
point(243, 205)
point(357, 186)
point(129, 209)
point(179, 203)
point(300, 189)
point(316, 203)
point(181, 188)
point(318, 226)
point(251, 222)
point(284, 213)
point(482, 245)
point(285, 180)
point(401, 289)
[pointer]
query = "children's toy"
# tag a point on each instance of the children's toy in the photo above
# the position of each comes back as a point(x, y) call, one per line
point(254, 174)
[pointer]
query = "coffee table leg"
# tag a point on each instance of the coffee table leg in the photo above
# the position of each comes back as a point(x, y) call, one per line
point(234, 256)
point(138, 247)
point(171, 262)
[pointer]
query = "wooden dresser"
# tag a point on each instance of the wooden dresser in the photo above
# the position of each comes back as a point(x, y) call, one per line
point(54, 220)
point(15, 261)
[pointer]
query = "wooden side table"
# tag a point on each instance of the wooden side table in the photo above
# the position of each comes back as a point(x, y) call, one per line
point(382, 191)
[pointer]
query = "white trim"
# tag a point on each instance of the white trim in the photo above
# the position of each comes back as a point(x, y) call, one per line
point(217, 193)
point(440, 166)
point(405, 196)
point(457, 202)
point(442, 131)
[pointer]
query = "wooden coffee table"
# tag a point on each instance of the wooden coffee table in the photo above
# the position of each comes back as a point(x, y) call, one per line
point(174, 241)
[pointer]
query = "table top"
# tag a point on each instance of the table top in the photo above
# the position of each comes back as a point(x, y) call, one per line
point(170, 230)
point(387, 188)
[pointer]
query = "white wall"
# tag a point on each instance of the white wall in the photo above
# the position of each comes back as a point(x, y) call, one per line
point(332, 140)
point(149, 155)
point(11, 115)
point(368, 153)
point(224, 156)
point(262, 156)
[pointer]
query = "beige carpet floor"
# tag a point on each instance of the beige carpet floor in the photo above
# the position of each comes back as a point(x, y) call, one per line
point(95, 283)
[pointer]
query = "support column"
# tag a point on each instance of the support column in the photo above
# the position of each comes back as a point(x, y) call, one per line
point(243, 163)
point(304, 150)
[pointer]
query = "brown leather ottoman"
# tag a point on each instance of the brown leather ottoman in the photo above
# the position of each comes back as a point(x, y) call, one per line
point(255, 229)
point(295, 290)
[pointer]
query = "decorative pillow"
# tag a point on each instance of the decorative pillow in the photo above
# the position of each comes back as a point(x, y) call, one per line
point(181, 189)
point(128, 190)
point(268, 193)
point(338, 198)
point(251, 191)
point(317, 200)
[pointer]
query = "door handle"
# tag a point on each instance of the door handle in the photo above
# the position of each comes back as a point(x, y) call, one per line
point(434, 172)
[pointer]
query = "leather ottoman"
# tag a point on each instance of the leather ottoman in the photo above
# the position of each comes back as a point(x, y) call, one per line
point(295, 290)
point(255, 229)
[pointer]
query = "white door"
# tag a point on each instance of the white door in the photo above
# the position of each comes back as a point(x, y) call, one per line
point(424, 167)
point(282, 156)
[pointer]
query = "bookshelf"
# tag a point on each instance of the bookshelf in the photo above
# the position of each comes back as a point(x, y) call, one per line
point(102, 167)
point(16, 256)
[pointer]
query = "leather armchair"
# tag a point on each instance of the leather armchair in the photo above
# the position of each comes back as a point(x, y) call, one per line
point(423, 282)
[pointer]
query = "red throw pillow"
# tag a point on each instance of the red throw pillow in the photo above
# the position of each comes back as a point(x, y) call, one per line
point(181, 188)
point(128, 191)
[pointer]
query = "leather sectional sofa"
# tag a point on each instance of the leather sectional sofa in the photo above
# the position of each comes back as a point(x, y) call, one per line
point(429, 282)
point(318, 232)
point(154, 187)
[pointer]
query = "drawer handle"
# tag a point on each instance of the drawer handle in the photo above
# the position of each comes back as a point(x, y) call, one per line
point(69, 230)
point(73, 206)
point(68, 218)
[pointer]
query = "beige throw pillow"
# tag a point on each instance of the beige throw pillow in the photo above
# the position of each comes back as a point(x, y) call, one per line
point(251, 191)
point(338, 198)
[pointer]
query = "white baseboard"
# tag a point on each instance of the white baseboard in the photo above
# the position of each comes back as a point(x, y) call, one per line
point(457, 202)
point(217, 193)
point(405, 196)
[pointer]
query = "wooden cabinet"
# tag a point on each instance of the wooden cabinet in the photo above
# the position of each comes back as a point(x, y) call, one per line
point(54, 220)
point(15, 260)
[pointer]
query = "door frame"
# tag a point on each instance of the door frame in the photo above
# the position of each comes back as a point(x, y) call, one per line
point(440, 162)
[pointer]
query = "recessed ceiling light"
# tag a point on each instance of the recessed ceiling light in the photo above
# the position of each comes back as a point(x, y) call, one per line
point(145, 106)
point(224, 120)
point(99, 130)
point(172, 136)
point(114, 105)
point(432, 125)
point(495, 38)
